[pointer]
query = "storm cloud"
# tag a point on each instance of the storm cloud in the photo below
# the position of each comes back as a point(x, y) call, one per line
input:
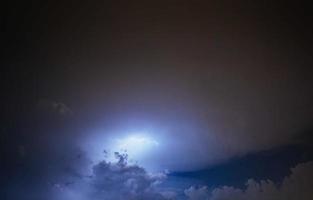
point(131, 181)
point(209, 81)
point(114, 180)
point(296, 186)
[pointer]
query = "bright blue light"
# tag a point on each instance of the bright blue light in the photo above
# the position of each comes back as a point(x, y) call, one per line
point(139, 146)
point(136, 145)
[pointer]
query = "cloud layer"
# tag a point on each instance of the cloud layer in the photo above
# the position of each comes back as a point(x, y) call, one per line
point(296, 186)
point(121, 181)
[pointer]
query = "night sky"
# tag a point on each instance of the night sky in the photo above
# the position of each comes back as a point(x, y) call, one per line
point(160, 100)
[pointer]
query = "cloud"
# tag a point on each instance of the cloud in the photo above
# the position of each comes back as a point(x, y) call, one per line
point(56, 107)
point(169, 195)
point(118, 181)
point(194, 193)
point(296, 186)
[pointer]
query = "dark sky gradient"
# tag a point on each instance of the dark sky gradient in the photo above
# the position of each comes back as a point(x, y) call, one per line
point(274, 164)
point(221, 82)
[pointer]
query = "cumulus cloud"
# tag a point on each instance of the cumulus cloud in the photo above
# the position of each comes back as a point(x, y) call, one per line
point(194, 193)
point(117, 180)
point(296, 186)
point(122, 181)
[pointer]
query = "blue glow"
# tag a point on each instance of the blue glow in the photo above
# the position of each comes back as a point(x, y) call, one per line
point(139, 146)
point(136, 145)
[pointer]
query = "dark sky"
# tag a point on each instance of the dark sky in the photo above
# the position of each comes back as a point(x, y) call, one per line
point(217, 81)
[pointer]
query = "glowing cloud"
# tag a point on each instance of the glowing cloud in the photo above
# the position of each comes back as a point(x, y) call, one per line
point(136, 145)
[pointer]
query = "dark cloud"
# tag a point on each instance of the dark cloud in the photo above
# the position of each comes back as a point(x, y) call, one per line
point(54, 107)
point(39, 153)
point(114, 180)
point(296, 186)
point(122, 181)
point(215, 80)
point(261, 165)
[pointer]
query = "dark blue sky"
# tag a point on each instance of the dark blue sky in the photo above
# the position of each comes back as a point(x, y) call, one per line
point(273, 164)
